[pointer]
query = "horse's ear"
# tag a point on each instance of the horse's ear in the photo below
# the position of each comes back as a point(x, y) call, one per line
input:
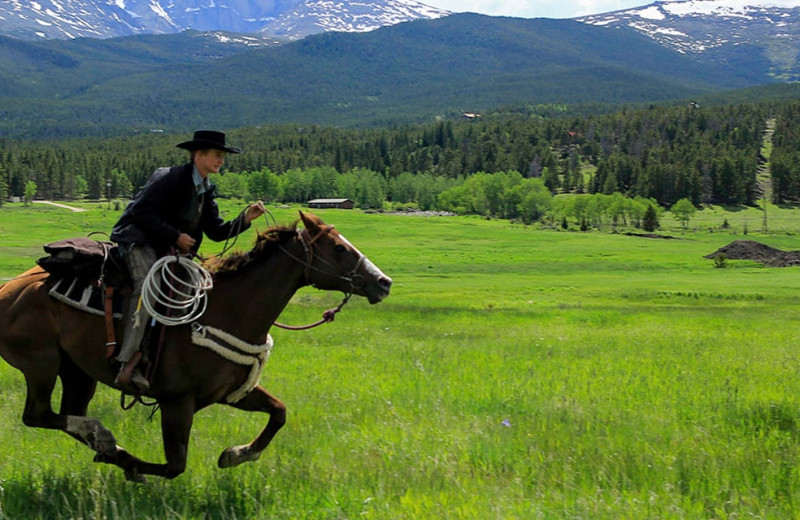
point(311, 222)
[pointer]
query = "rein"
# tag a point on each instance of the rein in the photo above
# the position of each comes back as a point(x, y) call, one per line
point(327, 316)
point(308, 245)
point(236, 229)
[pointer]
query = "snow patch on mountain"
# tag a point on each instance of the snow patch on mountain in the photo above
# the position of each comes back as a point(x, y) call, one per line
point(720, 28)
point(316, 16)
point(54, 19)
point(698, 25)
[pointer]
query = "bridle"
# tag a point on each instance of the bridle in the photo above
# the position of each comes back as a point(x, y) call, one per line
point(355, 280)
point(308, 245)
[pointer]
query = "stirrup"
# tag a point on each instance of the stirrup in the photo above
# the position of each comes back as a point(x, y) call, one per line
point(132, 381)
point(129, 378)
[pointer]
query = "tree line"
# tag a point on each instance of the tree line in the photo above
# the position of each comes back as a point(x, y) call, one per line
point(510, 164)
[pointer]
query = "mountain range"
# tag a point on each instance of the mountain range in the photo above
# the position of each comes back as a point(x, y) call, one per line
point(401, 72)
point(289, 19)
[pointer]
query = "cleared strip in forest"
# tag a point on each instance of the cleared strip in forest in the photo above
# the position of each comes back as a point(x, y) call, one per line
point(764, 169)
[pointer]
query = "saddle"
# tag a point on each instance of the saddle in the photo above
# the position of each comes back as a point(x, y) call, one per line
point(85, 259)
point(88, 275)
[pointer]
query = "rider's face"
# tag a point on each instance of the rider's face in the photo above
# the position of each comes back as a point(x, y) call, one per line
point(209, 161)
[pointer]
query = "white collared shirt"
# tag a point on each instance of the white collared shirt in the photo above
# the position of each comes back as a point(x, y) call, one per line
point(201, 185)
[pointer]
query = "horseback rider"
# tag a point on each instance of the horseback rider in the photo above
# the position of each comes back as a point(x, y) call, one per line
point(174, 210)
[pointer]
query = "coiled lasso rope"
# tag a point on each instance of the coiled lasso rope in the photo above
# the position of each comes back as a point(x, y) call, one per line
point(174, 292)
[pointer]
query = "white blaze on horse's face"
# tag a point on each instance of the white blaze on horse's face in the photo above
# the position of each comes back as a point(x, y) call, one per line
point(376, 284)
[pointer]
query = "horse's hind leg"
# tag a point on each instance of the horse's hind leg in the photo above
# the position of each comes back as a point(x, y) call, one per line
point(38, 412)
point(258, 400)
point(29, 338)
point(78, 389)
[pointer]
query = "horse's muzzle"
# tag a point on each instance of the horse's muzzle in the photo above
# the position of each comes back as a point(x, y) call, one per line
point(378, 285)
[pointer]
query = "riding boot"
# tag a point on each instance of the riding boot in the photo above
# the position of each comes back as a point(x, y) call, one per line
point(130, 377)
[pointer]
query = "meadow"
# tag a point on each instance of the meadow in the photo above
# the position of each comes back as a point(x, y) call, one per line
point(514, 373)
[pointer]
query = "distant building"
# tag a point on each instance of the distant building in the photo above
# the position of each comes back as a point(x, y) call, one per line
point(331, 203)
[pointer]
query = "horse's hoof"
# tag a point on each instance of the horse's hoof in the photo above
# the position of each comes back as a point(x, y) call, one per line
point(104, 442)
point(226, 459)
point(93, 433)
point(236, 455)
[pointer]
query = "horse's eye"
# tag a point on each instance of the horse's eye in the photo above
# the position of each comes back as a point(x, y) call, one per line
point(340, 248)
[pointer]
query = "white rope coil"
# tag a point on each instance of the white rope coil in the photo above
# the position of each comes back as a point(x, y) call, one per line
point(174, 292)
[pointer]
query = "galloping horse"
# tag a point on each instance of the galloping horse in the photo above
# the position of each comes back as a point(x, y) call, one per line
point(46, 339)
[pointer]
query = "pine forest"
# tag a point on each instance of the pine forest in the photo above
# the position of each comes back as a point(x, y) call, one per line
point(508, 164)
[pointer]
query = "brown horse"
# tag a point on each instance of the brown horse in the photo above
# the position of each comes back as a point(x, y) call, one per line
point(46, 339)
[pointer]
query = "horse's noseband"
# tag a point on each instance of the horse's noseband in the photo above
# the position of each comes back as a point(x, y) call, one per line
point(357, 281)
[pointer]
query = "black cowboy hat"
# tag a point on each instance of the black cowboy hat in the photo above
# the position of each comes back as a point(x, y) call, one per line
point(208, 139)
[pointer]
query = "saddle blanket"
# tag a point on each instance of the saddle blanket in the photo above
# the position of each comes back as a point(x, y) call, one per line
point(82, 295)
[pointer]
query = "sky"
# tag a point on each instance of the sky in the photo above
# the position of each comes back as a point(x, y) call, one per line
point(536, 8)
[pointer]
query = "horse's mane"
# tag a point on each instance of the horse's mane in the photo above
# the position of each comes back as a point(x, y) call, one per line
point(266, 243)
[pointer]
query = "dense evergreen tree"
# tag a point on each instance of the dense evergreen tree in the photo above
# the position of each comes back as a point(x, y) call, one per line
point(650, 220)
point(663, 154)
point(785, 160)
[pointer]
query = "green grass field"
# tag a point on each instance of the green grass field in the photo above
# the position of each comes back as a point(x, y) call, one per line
point(513, 373)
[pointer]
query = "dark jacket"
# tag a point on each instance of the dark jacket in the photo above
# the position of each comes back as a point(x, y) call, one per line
point(169, 205)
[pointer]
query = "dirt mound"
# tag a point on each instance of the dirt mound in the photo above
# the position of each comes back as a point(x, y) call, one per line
point(758, 252)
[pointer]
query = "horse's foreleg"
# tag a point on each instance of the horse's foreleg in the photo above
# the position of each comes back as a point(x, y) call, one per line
point(77, 391)
point(258, 400)
point(176, 426)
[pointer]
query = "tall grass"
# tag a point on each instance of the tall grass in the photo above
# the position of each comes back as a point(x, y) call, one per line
point(513, 373)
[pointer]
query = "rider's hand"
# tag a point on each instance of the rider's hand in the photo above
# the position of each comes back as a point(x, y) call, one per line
point(184, 242)
point(254, 211)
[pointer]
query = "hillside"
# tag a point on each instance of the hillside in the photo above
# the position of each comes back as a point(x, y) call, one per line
point(756, 36)
point(407, 72)
point(66, 68)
